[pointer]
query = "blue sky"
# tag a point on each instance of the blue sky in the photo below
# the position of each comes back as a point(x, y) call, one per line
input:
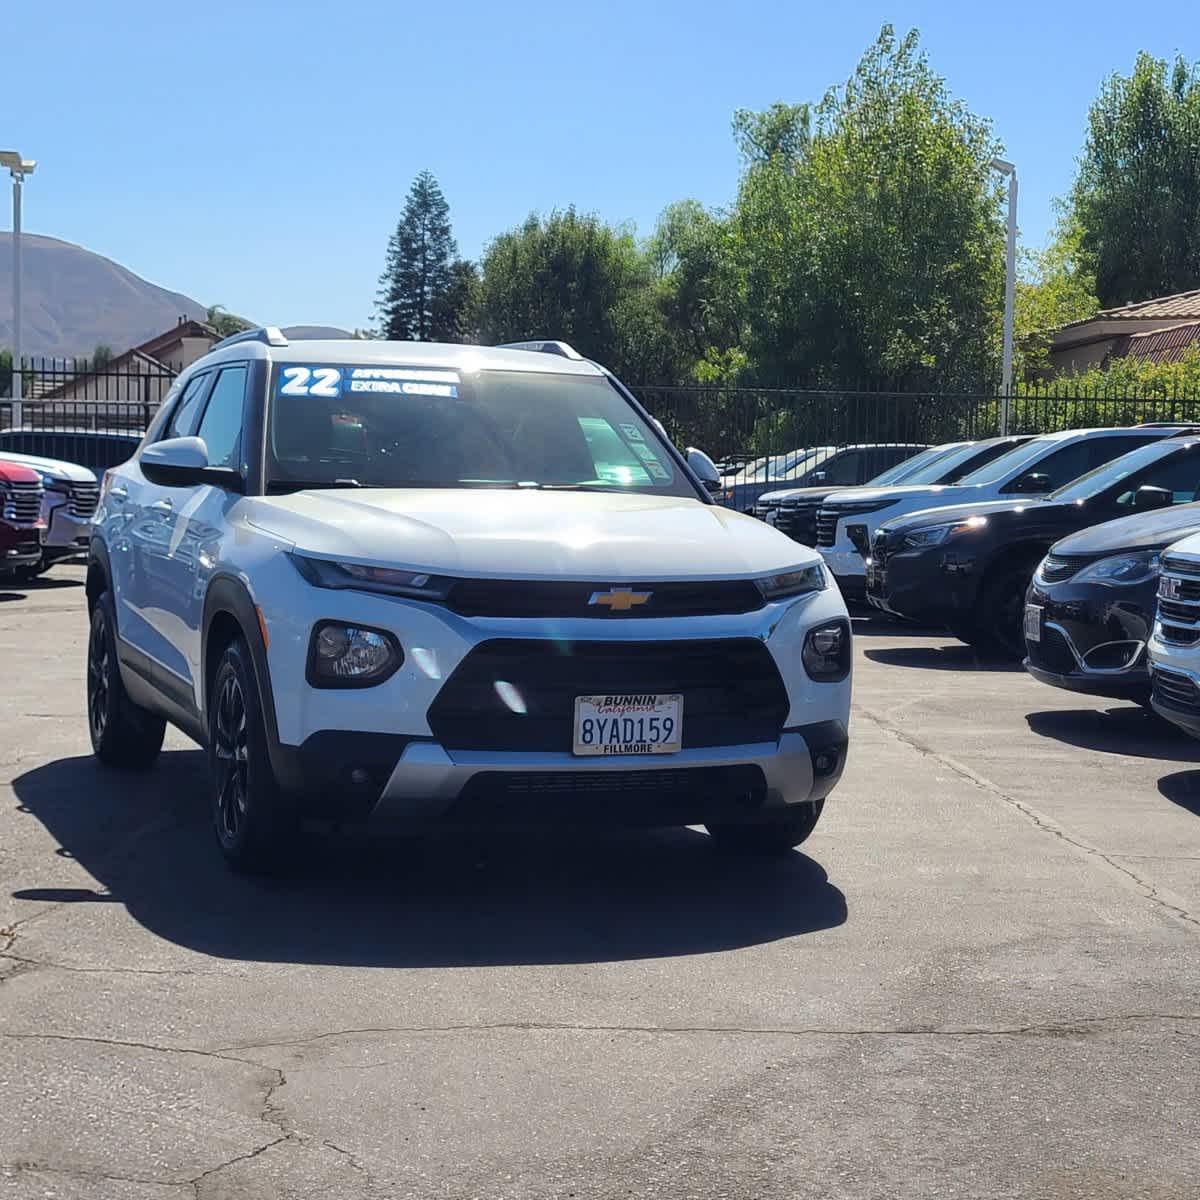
point(258, 154)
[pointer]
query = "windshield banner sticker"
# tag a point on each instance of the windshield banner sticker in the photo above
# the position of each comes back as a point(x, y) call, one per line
point(333, 382)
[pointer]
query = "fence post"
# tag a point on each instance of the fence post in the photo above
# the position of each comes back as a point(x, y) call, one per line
point(1005, 411)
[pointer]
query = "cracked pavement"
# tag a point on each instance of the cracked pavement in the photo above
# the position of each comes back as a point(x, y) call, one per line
point(979, 980)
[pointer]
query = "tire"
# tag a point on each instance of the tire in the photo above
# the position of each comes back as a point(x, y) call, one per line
point(29, 574)
point(255, 823)
point(123, 733)
point(777, 836)
point(1002, 610)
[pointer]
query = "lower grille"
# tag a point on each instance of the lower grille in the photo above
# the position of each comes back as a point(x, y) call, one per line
point(732, 691)
point(826, 527)
point(674, 796)
point(1052, 653)
point(1173, 688)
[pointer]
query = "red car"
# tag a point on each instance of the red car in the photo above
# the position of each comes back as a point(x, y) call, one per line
point(22, 529)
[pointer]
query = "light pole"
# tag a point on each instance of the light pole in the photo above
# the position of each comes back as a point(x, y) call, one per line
point(1010, 289)
point(19, 168)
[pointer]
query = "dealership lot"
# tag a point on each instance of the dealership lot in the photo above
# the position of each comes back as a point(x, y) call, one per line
point(980, 978)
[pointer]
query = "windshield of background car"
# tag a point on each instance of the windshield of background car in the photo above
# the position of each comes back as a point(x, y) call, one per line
point(408, 426)
point(1101, 478)
point(1004, 466)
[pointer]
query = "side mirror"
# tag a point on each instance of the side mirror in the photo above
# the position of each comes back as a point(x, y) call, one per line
point(1032, 484)
point(183, 462)
point(818, 477)
point(1149, 497)
point(704, 469)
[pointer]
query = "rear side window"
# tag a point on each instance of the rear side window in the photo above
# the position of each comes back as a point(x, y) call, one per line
point(1061, 466)
point(221, 427)
point(187, 412)
point(1178, 474)
point(844, 468)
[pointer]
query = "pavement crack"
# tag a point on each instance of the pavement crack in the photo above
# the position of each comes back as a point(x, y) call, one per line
point(47, 964)
point(1037, 819)
point(89, 1173)
point(196, 1182)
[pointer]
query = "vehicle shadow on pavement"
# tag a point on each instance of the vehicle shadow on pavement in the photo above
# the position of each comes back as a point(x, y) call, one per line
point(494, 899)
point(1182, 788)
point(1127, 729)
point(39, 585)
point(946, 656)
point(867, 625)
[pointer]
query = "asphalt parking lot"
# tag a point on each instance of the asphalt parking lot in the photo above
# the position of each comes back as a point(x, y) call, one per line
point(979, 979)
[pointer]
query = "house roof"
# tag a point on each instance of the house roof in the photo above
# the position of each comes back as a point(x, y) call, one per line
point(1158, 345)
point(123, 366)
point(1183, 306)
point(189, 328)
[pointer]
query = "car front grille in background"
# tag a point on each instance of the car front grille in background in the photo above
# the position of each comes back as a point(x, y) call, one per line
point(732, 691)
point(799, 522)
point(84, 499)
point(523, 598)
point(1056, 568)
point(1181, 566)
point(826, 527)
point(1171, 687)
point(1179, 602)
point(21, 503)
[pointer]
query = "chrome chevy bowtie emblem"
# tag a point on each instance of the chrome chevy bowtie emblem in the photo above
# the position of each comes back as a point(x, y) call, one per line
point(620, 599)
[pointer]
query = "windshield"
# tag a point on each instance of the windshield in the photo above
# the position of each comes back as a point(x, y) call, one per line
point(913, 470)
point(1012, 462)
point(396, 426)
point(1101, 478)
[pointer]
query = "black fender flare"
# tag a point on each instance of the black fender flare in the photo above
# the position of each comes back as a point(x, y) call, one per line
point(98, 561)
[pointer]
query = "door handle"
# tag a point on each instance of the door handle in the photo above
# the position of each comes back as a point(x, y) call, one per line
point(119, 493)
point(162, 506)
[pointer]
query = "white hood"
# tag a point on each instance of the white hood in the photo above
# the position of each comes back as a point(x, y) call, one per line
point(528, 534)
point(71, 472)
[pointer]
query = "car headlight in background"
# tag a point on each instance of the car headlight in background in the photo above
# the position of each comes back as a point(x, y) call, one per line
point(1121, 569)
point(342, 655)
point(326, 573)
point(935, 535)
point(826, 653)
point(793, 583)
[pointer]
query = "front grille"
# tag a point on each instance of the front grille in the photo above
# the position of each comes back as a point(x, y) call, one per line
point(670, 796)
point(1052, 653)
point(522, 598)
point(1179, 612)
point(1058, 567)
point(1187, 589)
point(1178, 636)
point(732, 691)
point(1181, 566)
point(826, 527)
point(879, 547)
point(798, 522)
point(1173, 688)
point(22, 503)
point(1175, 610)
point(84, 499)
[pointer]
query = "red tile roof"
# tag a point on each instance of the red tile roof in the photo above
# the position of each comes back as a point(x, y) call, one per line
point(1184, 306)
point(1157, 345)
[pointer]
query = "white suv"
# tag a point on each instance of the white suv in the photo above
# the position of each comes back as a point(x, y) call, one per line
point(414, 584)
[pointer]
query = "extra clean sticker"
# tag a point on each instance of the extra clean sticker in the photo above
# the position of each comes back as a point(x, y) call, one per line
point(333, 382)
point(632, 432)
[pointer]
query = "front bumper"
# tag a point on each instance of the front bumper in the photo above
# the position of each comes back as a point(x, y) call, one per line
point(849, 569)
point(1093, 637)
point(1176, 689)
point(933, 586)
point(66, 535)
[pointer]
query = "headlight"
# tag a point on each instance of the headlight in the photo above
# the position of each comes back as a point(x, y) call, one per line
point(793, 583)
point(826, 653)
point(1121, 569)
point(351, 656)
point(325, 573)
point(53, 484)
point(935, 535)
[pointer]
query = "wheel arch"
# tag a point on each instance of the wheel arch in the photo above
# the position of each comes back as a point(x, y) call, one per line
point(99, 574)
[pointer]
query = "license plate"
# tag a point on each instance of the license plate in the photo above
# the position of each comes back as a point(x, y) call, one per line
point(630, 724)
point(1033, 622)
point(875, 576)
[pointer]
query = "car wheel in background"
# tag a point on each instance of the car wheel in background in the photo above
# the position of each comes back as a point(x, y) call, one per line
point(1002, 608)
point(255, 822)
point(778, 836)
point(123, 734)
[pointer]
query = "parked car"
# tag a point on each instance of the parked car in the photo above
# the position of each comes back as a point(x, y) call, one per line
point(968, 566)
point(21, 525)
point(741, 490)
point(1090, 609)
point(1174, 650)
point(504, 596)
point(849, 466)
point(846, 521)
point(70, 499)
point(97, 449)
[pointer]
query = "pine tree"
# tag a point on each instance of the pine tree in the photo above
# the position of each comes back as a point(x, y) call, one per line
point(424, 289)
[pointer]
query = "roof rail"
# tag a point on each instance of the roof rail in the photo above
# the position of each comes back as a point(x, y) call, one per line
point(268, 334)
point(562, 349)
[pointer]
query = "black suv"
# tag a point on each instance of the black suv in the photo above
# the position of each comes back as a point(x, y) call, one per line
point(968, 566)
point(1090, 609)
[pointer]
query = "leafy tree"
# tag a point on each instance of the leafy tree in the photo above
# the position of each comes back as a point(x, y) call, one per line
point(101, 357)
point(564, 277)
point(867, 233)
point(1136, 199)
point(225, 322)
point(425, 289)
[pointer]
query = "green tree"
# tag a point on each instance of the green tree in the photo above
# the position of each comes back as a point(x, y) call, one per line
point(565, 277)
point(425, 290)
point(867, 235)
point(225, 322)
point(1136, 199)
point(101, 357)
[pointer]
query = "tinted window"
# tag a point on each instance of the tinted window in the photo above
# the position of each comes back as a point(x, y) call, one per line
point(844, 468)
point(911, 469)
point(1179, 474)
point(221, 428)
point(1060, 467)
point(1013, 461)
point(187, 411)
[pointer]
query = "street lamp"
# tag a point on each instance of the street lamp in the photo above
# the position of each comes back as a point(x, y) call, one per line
point(18, 167)
point(1010, 287)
